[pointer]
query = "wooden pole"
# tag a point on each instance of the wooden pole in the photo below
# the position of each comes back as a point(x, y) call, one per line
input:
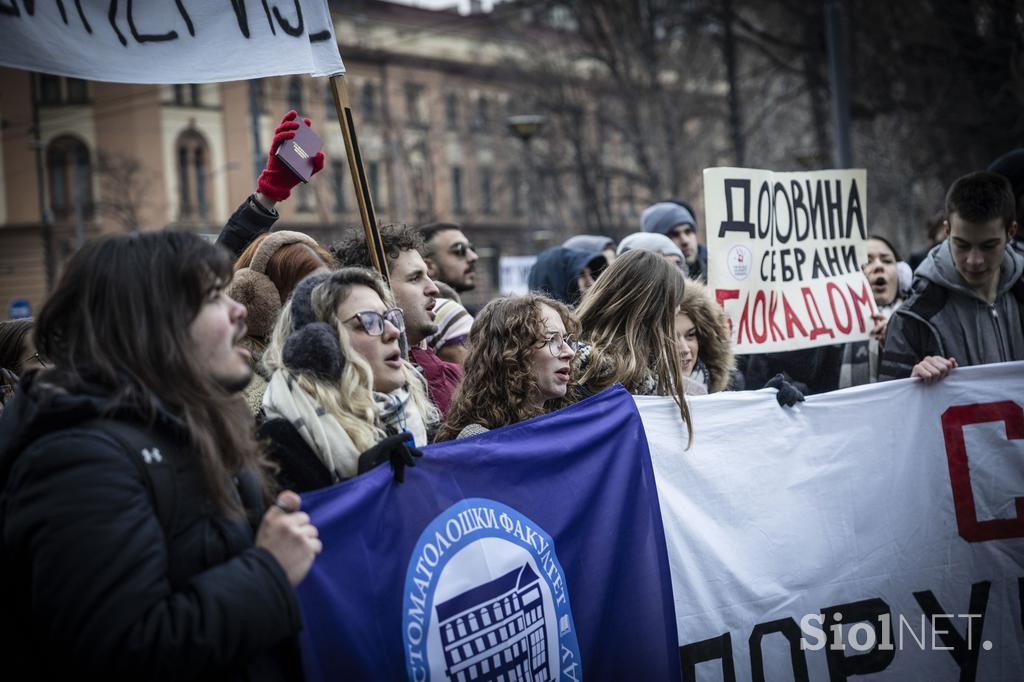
point(343, 106)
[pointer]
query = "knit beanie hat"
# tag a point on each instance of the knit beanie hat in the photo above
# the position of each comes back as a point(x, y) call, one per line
point(658, 243)
point(664, 216)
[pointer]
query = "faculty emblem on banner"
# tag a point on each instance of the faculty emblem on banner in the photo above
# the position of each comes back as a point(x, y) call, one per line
point(485, 599)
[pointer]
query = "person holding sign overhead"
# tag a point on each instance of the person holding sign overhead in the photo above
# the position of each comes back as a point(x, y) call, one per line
point(257, 214)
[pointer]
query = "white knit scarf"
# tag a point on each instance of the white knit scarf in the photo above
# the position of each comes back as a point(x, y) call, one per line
point(284, 398)
point(323, 433)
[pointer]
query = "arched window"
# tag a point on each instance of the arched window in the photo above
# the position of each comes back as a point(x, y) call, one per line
point(69, 171)
point(193, 161)
point(295, 95)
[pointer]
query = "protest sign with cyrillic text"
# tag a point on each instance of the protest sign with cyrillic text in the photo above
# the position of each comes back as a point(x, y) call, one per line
point(784, 256)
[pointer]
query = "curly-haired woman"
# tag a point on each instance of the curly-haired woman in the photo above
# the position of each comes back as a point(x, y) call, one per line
point(628, 322)
point(519, 365)
point(340, 396)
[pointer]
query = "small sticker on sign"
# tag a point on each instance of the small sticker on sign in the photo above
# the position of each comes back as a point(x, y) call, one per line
point(740, 261)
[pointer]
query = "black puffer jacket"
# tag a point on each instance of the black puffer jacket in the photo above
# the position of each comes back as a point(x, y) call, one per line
point(93, 587)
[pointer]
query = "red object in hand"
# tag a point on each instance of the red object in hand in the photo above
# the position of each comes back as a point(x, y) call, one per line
point(276, 181)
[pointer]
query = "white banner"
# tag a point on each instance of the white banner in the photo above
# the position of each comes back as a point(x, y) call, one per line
point(514, 274)
point(853, 520)
point(784, 256)
point(169, 41)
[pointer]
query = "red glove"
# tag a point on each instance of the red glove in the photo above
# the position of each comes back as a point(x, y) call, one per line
point(276, 181)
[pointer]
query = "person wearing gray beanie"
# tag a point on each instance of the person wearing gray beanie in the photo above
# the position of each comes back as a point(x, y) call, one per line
point(677, 222)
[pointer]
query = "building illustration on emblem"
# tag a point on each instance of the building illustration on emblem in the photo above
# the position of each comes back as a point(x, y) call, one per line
point(495, 631)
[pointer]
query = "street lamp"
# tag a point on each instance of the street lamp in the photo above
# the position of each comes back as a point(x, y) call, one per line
point(525, 127)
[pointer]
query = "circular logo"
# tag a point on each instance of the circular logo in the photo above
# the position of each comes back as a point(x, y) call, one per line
point(485, 599)
point(740, 262)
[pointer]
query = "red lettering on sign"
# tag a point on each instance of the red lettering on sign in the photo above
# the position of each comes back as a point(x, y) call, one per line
point(759, 300)
point(791, 319)
point(953, 422)
point(723, 295)
point(833, 291)
point(862, 301)
point(818, 327)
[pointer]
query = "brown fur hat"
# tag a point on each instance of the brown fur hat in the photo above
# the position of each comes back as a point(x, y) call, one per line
point(251, 287)
point(712, 327)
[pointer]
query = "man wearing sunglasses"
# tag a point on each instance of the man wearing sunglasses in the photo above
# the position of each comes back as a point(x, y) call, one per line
point(449, 255)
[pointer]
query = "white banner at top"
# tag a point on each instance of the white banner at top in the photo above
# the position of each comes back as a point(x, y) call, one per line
point(169, 41)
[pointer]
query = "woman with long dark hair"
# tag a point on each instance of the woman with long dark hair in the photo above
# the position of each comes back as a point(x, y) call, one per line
point(136, 535)
point(628, 322)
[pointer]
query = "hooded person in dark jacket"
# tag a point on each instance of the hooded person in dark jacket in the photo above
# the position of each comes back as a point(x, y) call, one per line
point(595, 243)
point(134, 539)
point(968, 302)
point(565, 274)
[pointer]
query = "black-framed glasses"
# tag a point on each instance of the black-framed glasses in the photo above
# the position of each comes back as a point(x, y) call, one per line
point(461, 249)
point(35, 356)
point(554, 343)
point(372, 322)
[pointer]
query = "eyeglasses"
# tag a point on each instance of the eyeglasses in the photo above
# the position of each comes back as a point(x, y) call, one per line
point(35, 356)
point(461, 249)
point(372, 322)
point(555, 341)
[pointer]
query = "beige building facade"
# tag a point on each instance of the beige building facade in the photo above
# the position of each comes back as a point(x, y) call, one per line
point(431, 91)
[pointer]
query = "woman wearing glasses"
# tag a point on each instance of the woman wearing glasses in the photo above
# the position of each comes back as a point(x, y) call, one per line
point(340, 397)
point(519, 365)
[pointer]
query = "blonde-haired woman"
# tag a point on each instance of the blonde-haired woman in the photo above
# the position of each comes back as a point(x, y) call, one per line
point(628, 321)
point(341, 398)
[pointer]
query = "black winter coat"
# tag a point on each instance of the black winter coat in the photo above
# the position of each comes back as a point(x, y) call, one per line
point(300, 469)
point(93, 587)
point(249, 221)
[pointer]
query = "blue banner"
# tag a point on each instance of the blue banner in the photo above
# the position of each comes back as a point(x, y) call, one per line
point(533, 552)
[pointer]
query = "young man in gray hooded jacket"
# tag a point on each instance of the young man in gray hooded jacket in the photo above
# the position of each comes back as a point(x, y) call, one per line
point(968, 301)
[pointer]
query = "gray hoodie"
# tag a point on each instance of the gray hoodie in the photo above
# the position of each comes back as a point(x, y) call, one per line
point(946, 317)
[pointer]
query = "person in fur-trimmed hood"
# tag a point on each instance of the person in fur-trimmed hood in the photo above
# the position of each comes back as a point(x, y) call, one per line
point(702, 330)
